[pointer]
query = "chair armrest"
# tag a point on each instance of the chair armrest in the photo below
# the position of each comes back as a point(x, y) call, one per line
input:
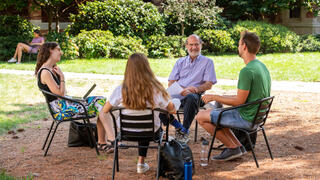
point(222, 110)
point(79, 101)
point(62, 97)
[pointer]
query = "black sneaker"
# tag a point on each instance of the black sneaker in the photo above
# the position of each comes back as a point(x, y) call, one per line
point(182, 136)
point(243, 150)
point(228, 154)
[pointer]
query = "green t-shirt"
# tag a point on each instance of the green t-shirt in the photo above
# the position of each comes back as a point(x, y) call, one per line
point(254, 77)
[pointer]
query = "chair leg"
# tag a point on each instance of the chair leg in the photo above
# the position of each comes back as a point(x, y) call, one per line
point(158, 159)
point(91, 138)
point(54, 132)
point(115, 158)
point(167, 133)
point(265, 138)
point(212, 142)
point(45, 142)
point(196, 132)
point(178, 115)
point(252, 150)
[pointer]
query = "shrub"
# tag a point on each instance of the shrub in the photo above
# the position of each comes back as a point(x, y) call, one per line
point(121, 17)
point(95, 43)
point(125, 46)
point(67, 44)
point(13, 29)
point(216, 41)
point(309, 43)
point(166, 46)
point(274, 38)
point(184, 17)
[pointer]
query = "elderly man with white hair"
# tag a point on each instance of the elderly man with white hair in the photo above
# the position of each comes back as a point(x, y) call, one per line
point(195, 73)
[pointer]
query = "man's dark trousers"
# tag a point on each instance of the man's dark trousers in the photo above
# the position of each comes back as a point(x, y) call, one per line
point(190, 108)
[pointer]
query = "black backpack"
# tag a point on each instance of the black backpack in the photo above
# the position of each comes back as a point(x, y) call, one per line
point(172, 158)
point(241, 136)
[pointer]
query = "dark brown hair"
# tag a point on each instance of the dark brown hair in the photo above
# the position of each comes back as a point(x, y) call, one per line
point(140, 84)
point(251, 40)
point(37, 31)
point(44, 54)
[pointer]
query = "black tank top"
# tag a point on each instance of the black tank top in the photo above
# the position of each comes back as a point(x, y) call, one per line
point(45, 87)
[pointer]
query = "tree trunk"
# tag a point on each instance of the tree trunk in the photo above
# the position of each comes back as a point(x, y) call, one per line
point(182, 29)
point(57, 21)
point(50, 17)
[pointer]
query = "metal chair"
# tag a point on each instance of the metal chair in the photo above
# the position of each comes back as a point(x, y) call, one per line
point(263, 109)
point(199, 106)
point(128, 127)
point(85, 117)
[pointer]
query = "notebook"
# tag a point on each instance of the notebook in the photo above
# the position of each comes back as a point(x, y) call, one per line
point(89, 91)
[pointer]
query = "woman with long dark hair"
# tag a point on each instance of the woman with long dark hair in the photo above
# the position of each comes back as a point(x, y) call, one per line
point(140, 89)
point(51, 78)
point(32, 47)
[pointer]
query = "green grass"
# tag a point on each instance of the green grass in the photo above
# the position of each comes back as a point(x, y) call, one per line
point(4, 176)
point(282, 66)
point(22, 102)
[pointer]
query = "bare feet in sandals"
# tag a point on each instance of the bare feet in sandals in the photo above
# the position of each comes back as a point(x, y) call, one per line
point(107, 147)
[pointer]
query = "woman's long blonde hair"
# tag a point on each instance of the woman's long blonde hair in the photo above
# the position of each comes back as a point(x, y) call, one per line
point(140, 84)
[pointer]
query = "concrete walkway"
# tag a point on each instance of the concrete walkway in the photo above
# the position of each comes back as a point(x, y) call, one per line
point(295, 86)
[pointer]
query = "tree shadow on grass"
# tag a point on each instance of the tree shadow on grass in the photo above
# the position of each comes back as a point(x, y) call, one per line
point(24, 114)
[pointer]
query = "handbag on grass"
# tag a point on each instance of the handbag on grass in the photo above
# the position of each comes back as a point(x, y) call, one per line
point(78, 135)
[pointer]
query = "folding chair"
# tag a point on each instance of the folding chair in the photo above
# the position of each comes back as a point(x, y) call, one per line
point(128, 126)
point(85, 117)
point(264, 106)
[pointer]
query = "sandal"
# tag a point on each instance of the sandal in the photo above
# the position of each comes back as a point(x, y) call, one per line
point(101, 147)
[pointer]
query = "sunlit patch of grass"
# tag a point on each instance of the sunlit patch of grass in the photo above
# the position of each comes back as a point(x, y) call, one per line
point(225, 87)
point(300, 100)
point(282, 66)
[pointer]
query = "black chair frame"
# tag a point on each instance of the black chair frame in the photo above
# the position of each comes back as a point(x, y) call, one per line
point(30, 55)
point(85, 117)
point(129, 121)
point(264, 106)
point(180, 111)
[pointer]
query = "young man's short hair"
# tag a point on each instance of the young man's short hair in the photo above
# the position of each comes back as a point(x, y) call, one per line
point(251, 40)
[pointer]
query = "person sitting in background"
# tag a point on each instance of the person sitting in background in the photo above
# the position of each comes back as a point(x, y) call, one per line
point(32, 47)
point(140, 89)
point(51, 78)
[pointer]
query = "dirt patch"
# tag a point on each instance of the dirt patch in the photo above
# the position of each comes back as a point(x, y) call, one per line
point(292, 129)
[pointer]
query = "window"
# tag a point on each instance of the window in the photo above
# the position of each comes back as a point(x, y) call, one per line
point(295, 12)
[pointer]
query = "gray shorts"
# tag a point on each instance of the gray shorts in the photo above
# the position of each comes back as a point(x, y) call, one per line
point(230, 118)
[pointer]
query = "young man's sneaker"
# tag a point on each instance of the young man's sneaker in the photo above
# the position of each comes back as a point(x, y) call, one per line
point(182, 136)
point(12, 60)
point(142, 168)
point(228, 154)
point(243, 150)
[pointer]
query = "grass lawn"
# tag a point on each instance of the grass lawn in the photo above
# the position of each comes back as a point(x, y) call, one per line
point(282, 66)
point(21, 101)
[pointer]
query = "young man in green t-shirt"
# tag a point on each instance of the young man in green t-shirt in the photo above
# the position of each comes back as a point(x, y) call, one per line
point(254, 83)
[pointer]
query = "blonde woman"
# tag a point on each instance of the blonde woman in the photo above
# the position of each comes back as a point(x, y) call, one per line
point(139, 90)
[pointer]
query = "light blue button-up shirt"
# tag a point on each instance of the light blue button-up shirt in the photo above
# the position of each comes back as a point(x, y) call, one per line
point(194, 73)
